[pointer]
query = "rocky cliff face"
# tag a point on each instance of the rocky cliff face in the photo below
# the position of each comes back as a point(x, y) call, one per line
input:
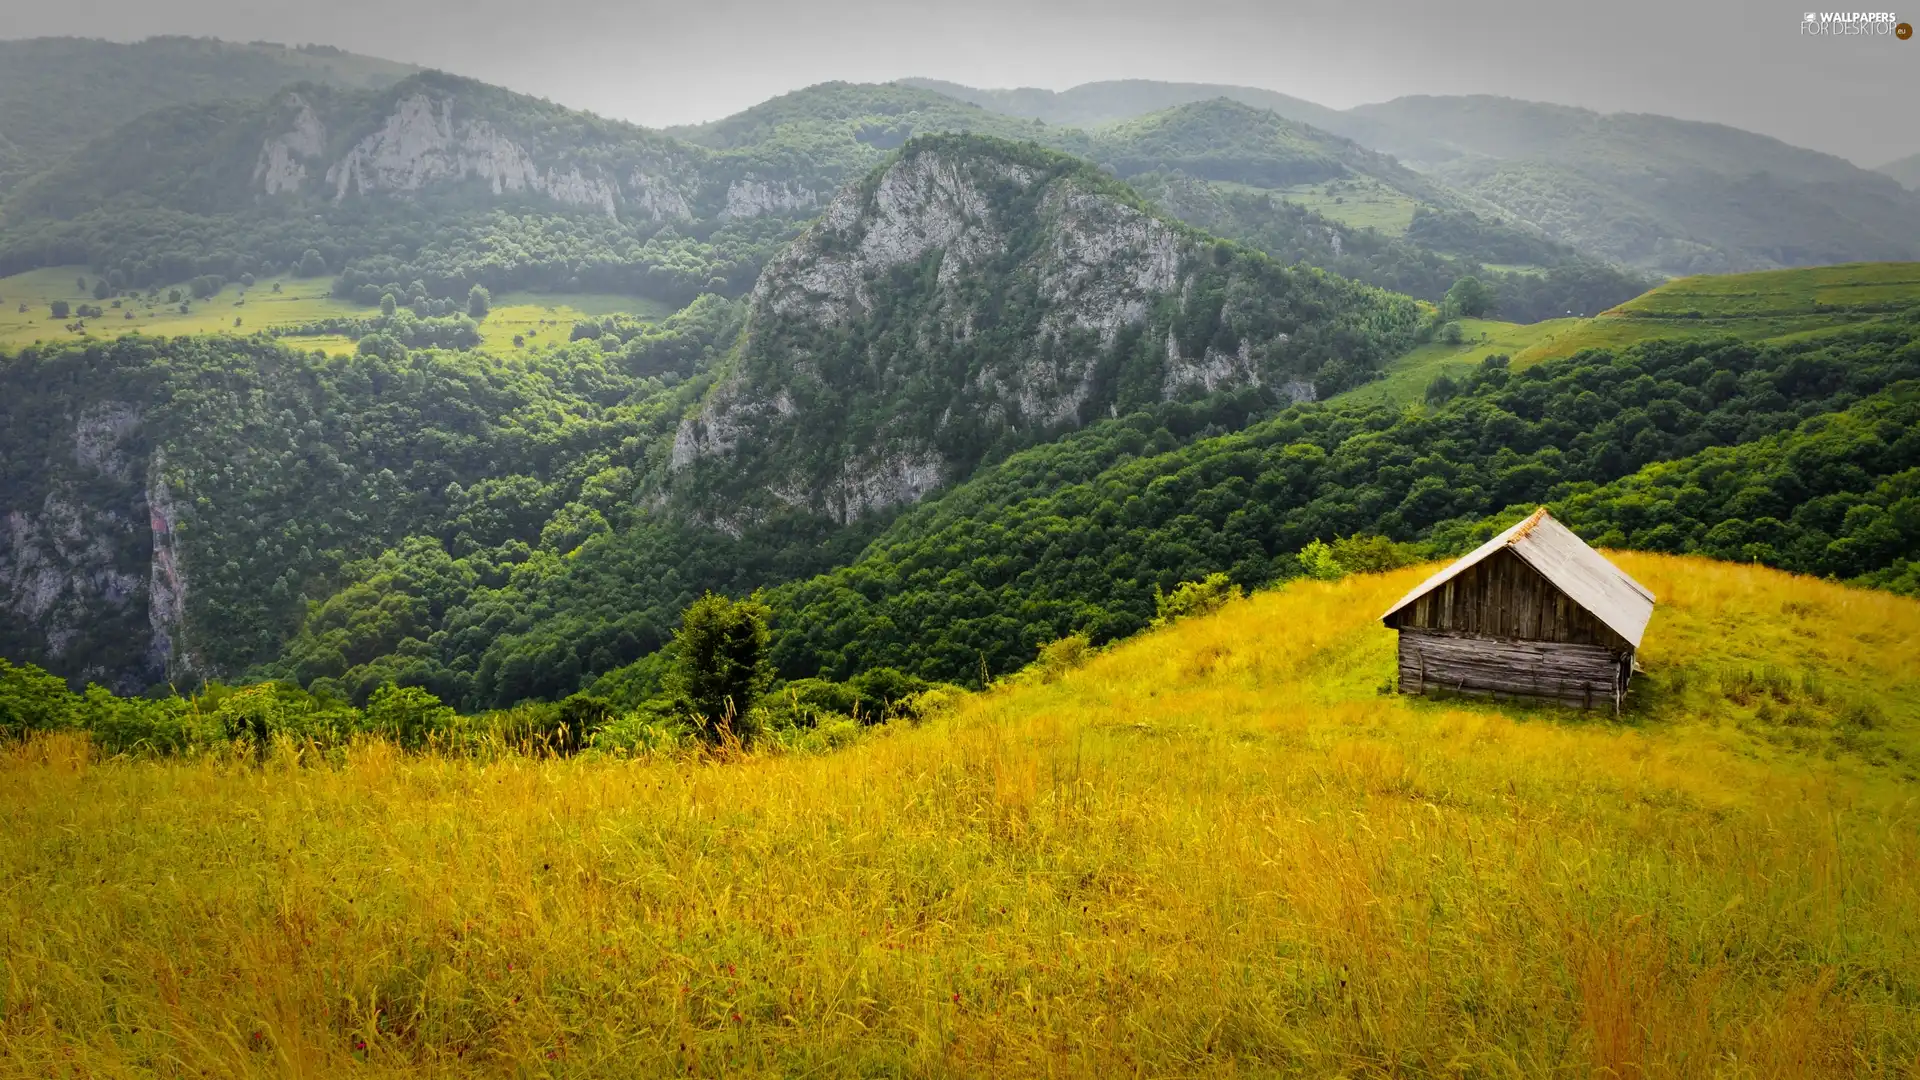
point(973, 295)
point(434, 136)
point(80, 574)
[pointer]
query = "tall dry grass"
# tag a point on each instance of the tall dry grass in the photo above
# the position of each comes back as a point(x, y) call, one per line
point(1216, 849)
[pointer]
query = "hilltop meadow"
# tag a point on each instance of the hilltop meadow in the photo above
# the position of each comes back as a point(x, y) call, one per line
point(1218, 848)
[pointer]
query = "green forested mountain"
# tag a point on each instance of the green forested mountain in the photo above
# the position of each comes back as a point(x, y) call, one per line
point(945, 383)
point(1097, 104)
point(1076, 536)
point(1670, 195)
point(453, 183)
point(854, 123)
point(974, 295)
point(970, 297)
point(437, 179)
point(1659, 194)
point(57, 94)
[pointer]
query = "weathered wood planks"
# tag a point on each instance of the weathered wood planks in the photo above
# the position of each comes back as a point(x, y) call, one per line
point(1577, 674)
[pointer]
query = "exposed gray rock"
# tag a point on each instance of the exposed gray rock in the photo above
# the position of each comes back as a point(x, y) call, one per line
point(99, 435)
point(753, 197)
point(282, 166)
point(166, 578)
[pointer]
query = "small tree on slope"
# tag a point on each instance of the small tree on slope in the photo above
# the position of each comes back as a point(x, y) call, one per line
point(720, 664)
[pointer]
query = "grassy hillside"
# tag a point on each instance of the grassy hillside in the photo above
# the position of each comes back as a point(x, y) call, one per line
point(1777, 304)
point(1213, 850)
point(1406, 379)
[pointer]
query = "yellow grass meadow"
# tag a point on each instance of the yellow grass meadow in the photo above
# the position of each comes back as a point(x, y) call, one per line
point(1216, 849)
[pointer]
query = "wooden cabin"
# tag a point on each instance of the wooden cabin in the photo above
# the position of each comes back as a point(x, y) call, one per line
point(1533, 613)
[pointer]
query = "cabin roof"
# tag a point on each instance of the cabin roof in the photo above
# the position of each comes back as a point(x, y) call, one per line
point(1585, 575)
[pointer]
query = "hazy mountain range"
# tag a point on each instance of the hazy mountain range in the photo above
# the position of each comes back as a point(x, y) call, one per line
point(890, 303)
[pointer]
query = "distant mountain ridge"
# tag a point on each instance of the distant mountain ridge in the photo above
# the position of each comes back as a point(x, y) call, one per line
point(451, 183)
point(1906, 171)
point(56, 94)
point(1653, 192)
point(1100, 103)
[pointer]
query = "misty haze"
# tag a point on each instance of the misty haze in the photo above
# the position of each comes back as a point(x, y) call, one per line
point(1004, 540)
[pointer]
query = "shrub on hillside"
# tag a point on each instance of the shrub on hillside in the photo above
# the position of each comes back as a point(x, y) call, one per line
point(33, 700)
point(168, 726)
point(261, 713)
point(1192, 598)
point(720, 665)
point(1059, 657)
point(409, 715)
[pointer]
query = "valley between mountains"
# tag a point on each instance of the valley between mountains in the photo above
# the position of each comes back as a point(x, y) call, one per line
point(434, 384)
point(889, 582)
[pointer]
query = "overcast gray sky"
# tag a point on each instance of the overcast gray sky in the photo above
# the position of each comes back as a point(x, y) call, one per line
point(658, 63)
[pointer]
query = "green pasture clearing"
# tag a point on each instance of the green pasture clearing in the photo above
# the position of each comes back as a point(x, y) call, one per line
point(1357, 201)
point(1407, 377)
point(257, 307)
point(26, 311)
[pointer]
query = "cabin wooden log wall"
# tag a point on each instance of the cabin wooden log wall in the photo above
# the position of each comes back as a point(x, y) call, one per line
point(1580, 676)
point(1500, 628)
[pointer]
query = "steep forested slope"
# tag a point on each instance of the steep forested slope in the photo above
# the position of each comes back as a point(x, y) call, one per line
point(171, 505)
point(1077, 535)
point(974, 295)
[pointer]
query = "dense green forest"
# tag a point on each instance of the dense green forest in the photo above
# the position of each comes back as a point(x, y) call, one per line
point(1077, 535)
point(282, 467)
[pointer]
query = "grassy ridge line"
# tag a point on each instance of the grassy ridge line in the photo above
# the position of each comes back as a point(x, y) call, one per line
point(1766, 305)
point(1215, 849)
